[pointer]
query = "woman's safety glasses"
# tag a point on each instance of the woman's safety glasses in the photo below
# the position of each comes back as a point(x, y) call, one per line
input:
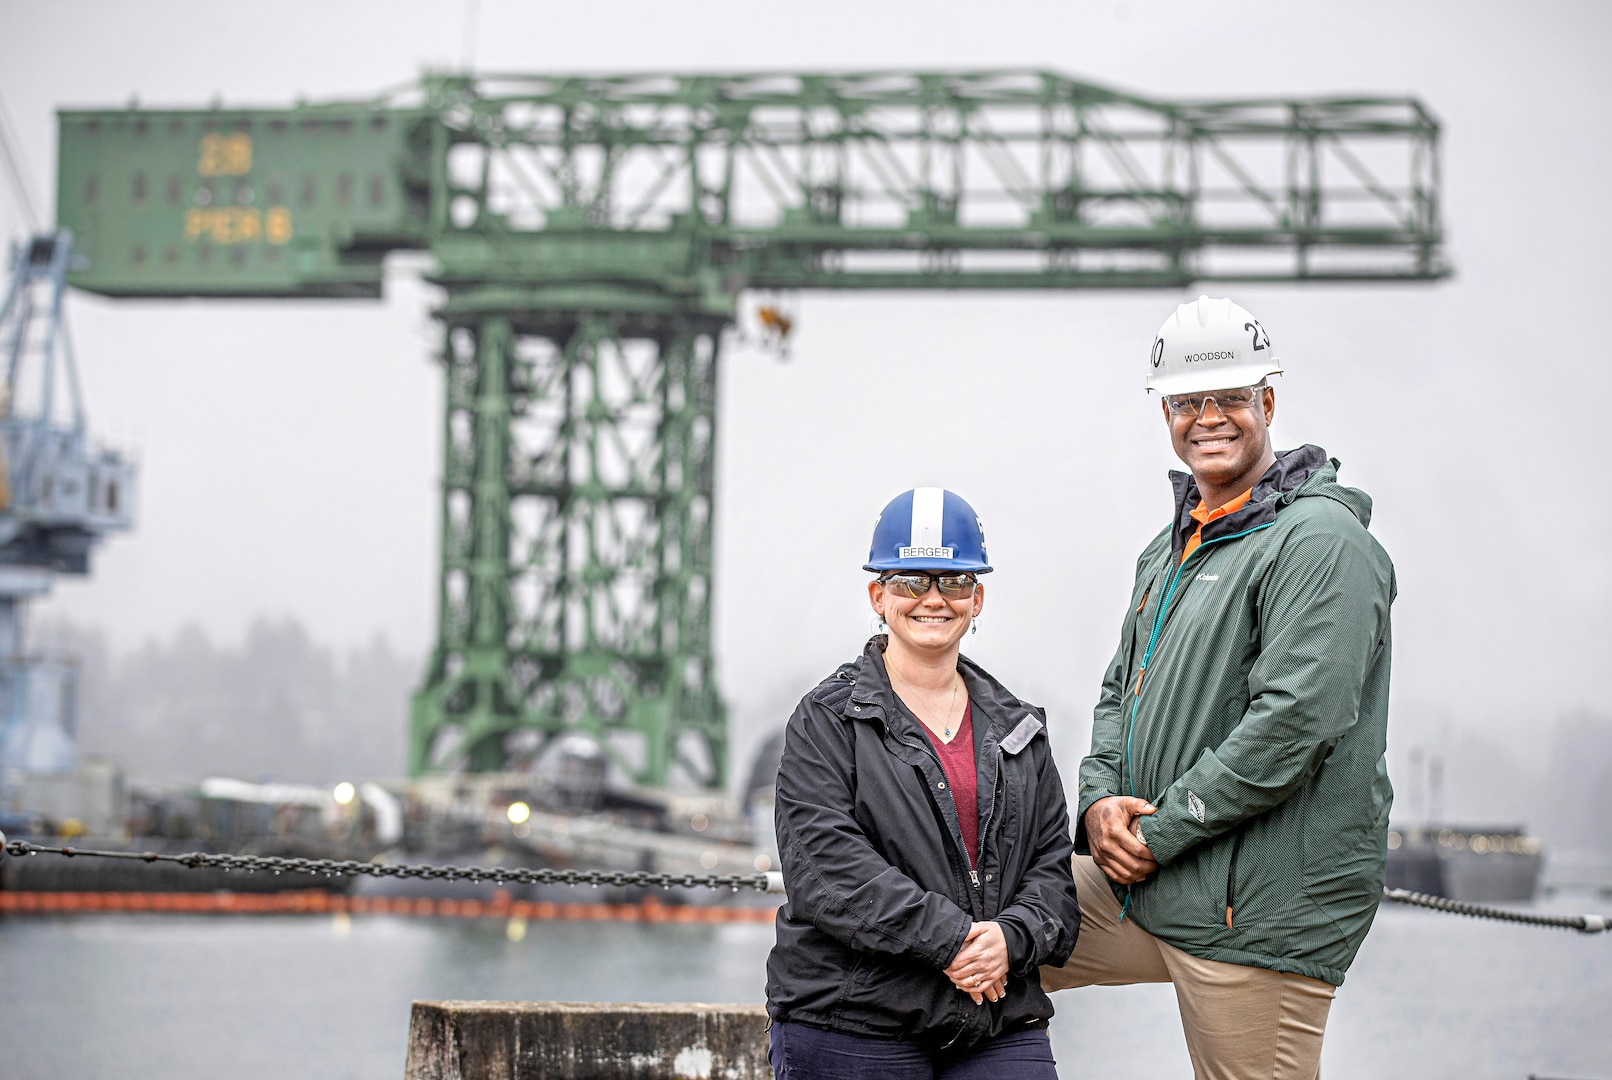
point(914, 584)
point(1243, 397)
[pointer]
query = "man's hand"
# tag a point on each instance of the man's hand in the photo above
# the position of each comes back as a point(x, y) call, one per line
point(980, 967)
point(1115, 846)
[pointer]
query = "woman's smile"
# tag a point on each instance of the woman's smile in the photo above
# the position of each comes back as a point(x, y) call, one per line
point(930, 622)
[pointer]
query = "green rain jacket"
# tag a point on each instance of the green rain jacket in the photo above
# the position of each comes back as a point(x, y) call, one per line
point(1248, 702)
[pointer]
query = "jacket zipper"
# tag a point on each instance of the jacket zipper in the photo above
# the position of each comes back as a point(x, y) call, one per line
point(1130, 639)
point(1231, 876)
point(1153, 641)
point(1147, 654)
point(990, 810)
point(973, 874)
point(990, 815)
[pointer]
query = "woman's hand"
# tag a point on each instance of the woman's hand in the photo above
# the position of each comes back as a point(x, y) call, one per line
point(980, 967)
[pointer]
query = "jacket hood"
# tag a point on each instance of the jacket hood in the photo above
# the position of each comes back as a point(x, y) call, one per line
point(1324, 483)
point(1301, 473)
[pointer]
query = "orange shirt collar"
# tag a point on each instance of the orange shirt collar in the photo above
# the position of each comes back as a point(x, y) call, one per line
point(1204, 517)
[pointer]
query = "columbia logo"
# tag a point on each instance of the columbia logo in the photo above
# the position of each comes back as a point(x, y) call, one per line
point(1208, 577)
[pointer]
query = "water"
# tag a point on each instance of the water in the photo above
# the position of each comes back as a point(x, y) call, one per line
point(197, 997)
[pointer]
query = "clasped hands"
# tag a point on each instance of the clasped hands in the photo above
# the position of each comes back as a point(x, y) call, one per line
point(980, 967)
point(1113, 830)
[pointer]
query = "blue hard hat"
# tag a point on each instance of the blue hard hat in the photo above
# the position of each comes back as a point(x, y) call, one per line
point(928, 528)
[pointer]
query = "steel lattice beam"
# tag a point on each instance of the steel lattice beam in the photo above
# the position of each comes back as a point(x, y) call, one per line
point(576, 537)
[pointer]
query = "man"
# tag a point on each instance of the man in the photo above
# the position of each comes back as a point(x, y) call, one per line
point(1233, 811)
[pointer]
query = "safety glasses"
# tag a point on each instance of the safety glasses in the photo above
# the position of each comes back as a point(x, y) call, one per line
point(1243, 397)
point(914, 584)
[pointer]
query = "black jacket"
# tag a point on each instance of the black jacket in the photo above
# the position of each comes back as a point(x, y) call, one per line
point(880, 891)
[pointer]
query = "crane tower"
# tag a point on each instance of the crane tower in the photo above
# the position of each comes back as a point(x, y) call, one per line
point(59, 497)
point(592, 236)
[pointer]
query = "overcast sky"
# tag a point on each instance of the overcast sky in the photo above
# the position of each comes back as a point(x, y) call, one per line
point(289, 452)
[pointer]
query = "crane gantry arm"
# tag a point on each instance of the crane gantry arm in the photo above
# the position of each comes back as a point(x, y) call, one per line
point(710, 184)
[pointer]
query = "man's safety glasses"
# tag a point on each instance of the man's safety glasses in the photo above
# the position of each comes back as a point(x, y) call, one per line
point(914, 584)
point(1243, 397)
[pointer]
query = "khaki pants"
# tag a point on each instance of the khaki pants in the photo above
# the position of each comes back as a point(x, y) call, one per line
point(1242, 1023)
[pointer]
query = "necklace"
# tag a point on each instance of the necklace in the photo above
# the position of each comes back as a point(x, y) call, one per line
point(950, 704)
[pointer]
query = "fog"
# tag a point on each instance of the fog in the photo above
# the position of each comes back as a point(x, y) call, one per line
point(289, 451)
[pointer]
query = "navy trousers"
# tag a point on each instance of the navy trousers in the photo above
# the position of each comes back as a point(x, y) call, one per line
point(801, 1052)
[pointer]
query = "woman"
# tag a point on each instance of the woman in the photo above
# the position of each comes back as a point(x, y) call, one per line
point(924, 838)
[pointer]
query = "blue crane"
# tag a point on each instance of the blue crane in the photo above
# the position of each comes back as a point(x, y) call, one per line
point(60, 495)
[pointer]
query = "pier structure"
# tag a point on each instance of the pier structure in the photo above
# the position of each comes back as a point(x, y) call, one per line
point(497, 1040)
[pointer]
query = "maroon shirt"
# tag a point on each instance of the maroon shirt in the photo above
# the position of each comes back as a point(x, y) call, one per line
point(957, 759)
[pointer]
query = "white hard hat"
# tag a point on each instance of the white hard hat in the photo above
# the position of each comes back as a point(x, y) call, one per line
point(1210, 345)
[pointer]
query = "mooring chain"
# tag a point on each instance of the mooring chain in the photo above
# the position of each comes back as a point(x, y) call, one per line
point(765, 882)
point(497, 875)
point(1588, 924)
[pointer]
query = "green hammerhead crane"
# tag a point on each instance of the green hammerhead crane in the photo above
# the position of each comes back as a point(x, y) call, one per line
point(592, 236)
